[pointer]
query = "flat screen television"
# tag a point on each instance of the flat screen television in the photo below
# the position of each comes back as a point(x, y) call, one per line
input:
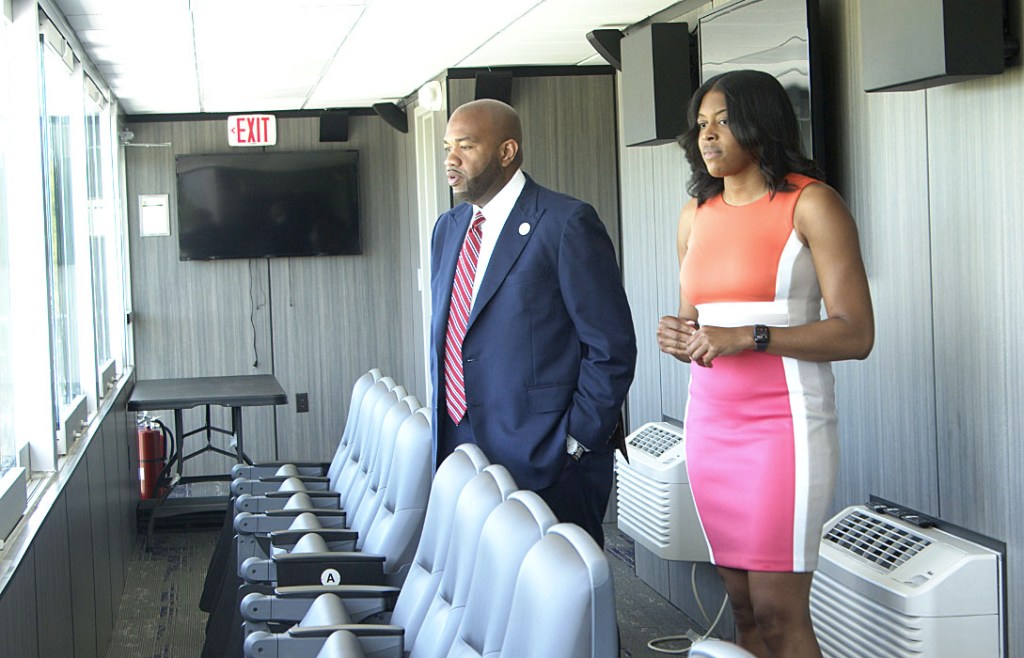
point(775, 36)
point(259, 205)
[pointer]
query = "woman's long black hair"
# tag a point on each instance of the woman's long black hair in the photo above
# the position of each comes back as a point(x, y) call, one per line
point(762, 120)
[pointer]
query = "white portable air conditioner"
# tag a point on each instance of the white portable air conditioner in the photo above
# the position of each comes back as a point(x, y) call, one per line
point(655, 505)
point(888, 588)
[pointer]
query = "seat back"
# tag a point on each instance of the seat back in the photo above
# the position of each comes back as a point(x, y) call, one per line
point(398, 523)
point(718, 649)
point(428, 563)
point(343, 476)
point(481, 496)
point(369, 437)
point(380, 459)
point(359, 389)
point(564, 600)
point(508, 534)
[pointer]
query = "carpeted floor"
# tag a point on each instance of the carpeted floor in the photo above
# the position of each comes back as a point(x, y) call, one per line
point(159, 615)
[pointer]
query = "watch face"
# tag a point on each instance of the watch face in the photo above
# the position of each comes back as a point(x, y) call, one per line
point(761, 336)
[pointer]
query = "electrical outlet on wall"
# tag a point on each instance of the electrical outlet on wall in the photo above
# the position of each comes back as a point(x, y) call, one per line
point(301, 403)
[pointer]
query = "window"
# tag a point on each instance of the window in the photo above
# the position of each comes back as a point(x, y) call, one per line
point(105, 240)
point(8, 448)
point(63, 255)
point(67, 238)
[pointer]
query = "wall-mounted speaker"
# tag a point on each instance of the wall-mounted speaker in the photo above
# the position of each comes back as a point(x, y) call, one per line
point(915, 44)
point(657, 82)
point(607, 44)
point(393, 115)
point(494, 84)
point(334, 126)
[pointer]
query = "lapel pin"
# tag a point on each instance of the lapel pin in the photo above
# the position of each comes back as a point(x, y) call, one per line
point(524, 228)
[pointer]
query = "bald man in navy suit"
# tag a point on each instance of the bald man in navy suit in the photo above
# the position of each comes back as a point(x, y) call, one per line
point(548, 351)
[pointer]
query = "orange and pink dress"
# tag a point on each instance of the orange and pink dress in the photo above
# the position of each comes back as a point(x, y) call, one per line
point(760, 433)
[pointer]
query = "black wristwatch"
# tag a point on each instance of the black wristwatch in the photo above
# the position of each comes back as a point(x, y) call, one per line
point(761, 337)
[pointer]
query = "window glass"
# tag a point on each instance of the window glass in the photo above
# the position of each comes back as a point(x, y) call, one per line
point(103, 242)
point(59, 96)
point(8, 449)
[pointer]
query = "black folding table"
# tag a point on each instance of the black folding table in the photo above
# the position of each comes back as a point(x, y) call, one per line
point(234, 391)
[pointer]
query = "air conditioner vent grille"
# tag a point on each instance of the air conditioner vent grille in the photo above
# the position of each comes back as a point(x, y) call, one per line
point(655, 441)
point(876, 541)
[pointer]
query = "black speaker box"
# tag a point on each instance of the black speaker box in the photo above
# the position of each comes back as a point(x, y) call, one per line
point(915, 44)
point(334, 126)
point(393, 115)
point(657, 82)
point(494, 84)
point(607, 44)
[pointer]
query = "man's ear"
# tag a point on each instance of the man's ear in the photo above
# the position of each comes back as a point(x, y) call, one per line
point(508, 150)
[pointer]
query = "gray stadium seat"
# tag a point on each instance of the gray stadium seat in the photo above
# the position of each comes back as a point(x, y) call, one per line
point(351, 479)
point(253, 528)
point(463, 492)
point(461, 622)
point(261, 478)
point(389, 518)
point(718, 649)
point(564, 600)
point(511, 530)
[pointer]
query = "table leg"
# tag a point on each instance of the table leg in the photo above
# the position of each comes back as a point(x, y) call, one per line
point(236, 428)
point(179, 439)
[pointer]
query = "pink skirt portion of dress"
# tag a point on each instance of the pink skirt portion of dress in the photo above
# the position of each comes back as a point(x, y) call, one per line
point(761, 459)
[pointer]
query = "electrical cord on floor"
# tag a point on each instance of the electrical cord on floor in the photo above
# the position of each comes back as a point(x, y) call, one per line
point(691, 636)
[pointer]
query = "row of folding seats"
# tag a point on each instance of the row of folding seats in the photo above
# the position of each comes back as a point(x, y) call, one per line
point(387, 440)
point(494, 574)
point(489, 571)
point(363, 506)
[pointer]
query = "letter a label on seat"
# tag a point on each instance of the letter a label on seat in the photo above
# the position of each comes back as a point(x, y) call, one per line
point(330, 578)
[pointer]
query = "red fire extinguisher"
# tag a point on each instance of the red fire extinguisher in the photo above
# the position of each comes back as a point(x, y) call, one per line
point(152, 458)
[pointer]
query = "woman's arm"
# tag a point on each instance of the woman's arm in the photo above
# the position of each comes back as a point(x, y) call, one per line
point(674, 331)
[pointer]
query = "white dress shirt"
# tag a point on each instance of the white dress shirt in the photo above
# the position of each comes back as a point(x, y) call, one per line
point(495, 214)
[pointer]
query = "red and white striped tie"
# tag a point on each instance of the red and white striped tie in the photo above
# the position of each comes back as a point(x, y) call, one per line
point(458, 317)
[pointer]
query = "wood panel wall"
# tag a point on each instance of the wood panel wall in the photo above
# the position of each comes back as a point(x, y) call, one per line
point(938, 425)
point(334, 318)
point(932, 418)
point(71, 555)
point(569, 135)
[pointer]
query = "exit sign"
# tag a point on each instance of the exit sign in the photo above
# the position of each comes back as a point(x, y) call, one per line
point(252, 130)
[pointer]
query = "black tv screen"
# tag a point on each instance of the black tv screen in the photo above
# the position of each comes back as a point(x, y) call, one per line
point(255, 205)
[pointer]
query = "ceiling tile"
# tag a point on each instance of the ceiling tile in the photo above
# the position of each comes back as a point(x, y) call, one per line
point(171, 56)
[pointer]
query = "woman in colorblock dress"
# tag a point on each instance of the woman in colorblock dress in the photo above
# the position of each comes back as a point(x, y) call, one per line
point(761, 245)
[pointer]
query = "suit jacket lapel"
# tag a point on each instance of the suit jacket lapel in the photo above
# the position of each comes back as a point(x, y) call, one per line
point(510, 244)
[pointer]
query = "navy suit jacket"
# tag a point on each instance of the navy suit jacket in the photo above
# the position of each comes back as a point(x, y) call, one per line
point(549, 347)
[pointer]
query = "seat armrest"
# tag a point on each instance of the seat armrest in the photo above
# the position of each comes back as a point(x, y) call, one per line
point(304, 477)
point(319, 512)
point(316, 495)
point(332, 568)
point(359, 630)
point(256, 524)
point(287, 538)
point(357, 591)
point(261, 643)
point(254, 471)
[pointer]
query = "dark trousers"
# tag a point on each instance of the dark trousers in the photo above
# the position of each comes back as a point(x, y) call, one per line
point(581, 493)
